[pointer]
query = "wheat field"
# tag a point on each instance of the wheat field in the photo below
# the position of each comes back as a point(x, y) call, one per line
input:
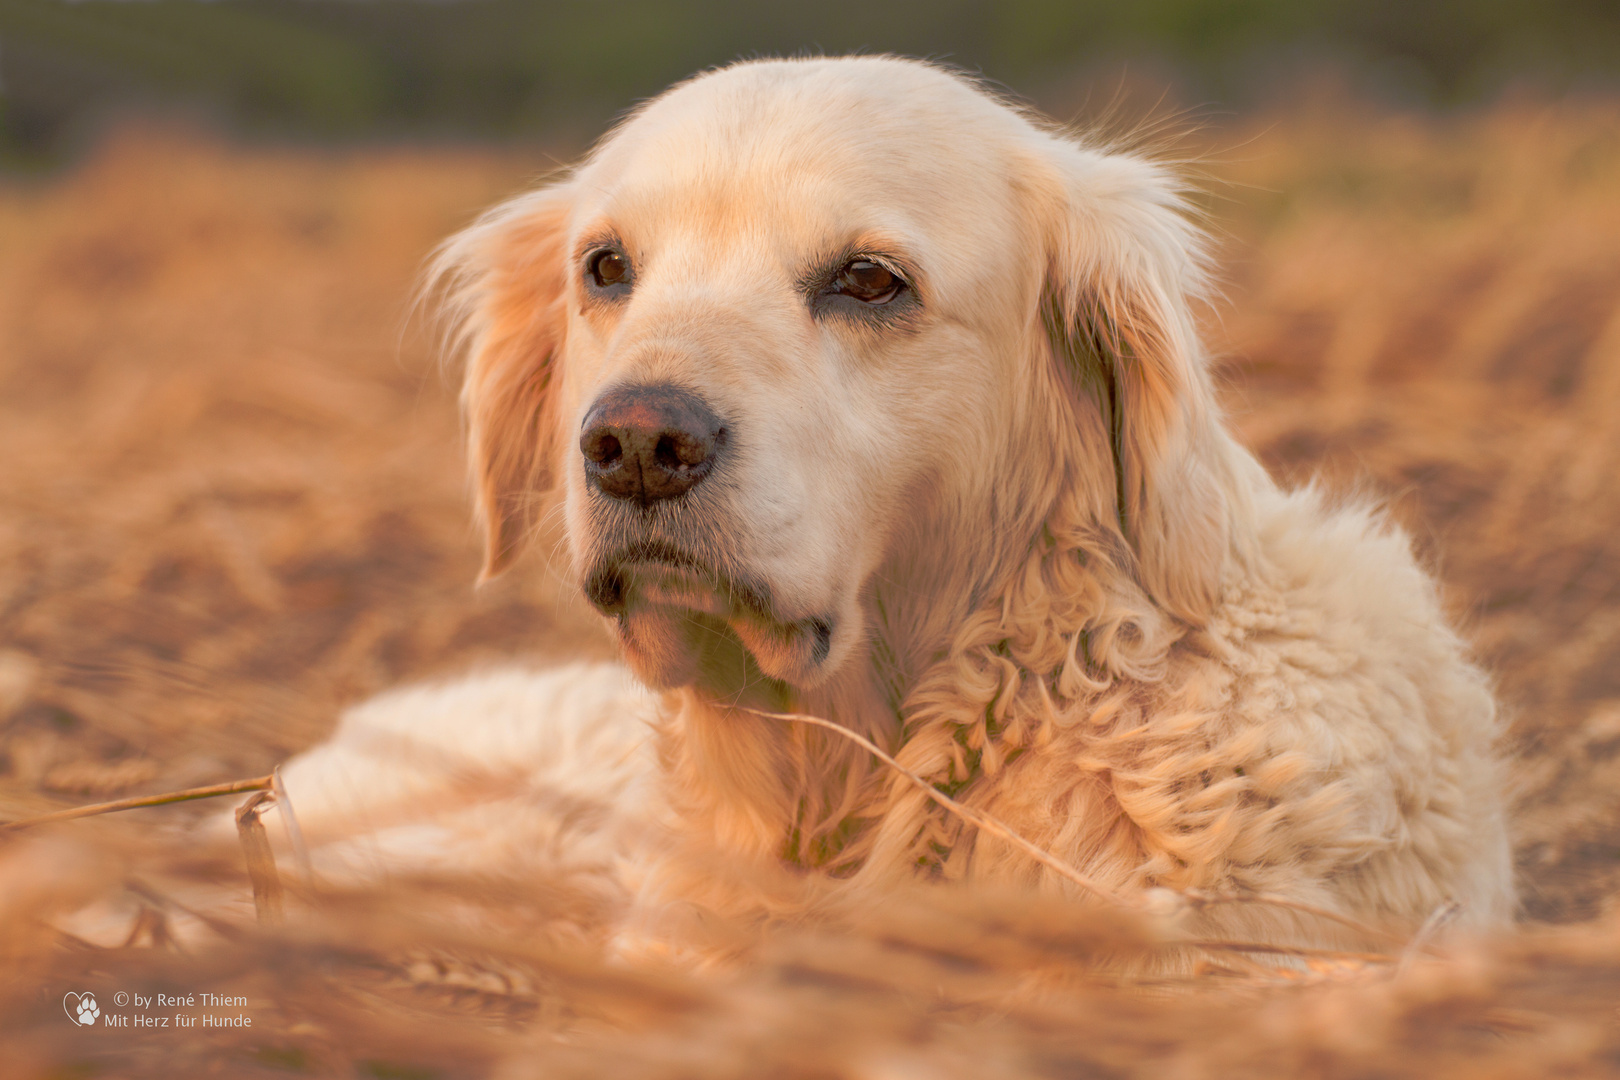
point(231, 503)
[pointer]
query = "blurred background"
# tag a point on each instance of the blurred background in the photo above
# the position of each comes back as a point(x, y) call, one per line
point(231, 482)
point(231, 498)
point(550, 69)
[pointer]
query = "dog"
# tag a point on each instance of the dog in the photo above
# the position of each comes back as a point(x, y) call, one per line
point(867, 395)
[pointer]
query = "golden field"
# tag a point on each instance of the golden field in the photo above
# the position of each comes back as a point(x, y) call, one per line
point(231, 502)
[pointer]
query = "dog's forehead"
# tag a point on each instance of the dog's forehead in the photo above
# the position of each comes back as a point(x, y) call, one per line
point(814, 148)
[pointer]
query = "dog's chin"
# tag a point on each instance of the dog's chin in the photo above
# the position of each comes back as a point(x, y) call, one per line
point(675, 629)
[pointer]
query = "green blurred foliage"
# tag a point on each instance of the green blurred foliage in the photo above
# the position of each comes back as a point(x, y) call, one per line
point(506, 68)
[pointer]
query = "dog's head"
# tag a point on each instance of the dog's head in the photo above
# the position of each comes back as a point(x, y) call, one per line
point(801, 331)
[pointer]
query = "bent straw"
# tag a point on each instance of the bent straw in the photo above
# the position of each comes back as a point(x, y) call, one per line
point(262, 783)
point(295, 835)
point(261, 861)
point(974, 817)
point(989, 824)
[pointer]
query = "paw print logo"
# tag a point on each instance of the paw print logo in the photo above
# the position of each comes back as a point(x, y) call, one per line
point(81, 1008)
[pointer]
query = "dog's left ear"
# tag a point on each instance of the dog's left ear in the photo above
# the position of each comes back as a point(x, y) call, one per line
point(1124, 266)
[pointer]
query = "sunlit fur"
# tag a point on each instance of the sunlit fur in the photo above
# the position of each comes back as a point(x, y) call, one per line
point(1060, 589)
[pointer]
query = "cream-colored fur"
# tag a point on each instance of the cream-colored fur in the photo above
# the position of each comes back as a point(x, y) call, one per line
point(508, 772)
point(1045, 576)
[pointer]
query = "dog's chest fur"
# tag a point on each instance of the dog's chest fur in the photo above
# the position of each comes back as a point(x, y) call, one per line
point(1323, 736)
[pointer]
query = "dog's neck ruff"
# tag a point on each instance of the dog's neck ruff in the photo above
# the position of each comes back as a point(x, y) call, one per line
point(1066, 633)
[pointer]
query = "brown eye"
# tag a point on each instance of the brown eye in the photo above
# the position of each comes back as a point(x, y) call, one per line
point(608, 268)
point(868, 281)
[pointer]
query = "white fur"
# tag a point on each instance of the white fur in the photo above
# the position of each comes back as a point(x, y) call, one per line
point(503, 773)
point(1054, 581)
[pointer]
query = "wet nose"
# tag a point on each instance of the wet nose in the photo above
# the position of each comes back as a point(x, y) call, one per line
point(643, 444)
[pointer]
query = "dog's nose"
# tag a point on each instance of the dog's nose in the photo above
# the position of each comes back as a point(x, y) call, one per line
point(647, 443)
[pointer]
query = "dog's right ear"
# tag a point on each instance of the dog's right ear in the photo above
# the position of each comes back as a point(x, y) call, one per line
point(505, 281)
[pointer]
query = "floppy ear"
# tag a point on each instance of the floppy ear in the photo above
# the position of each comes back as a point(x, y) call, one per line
point(506, 280)
point(1125, 264)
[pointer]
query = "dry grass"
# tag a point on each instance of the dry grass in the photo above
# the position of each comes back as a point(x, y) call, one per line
point(233, 502)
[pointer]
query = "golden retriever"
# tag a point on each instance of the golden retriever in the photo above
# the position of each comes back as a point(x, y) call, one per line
point(867, 395)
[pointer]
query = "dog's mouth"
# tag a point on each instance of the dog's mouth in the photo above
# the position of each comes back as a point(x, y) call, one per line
point(676, 614)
